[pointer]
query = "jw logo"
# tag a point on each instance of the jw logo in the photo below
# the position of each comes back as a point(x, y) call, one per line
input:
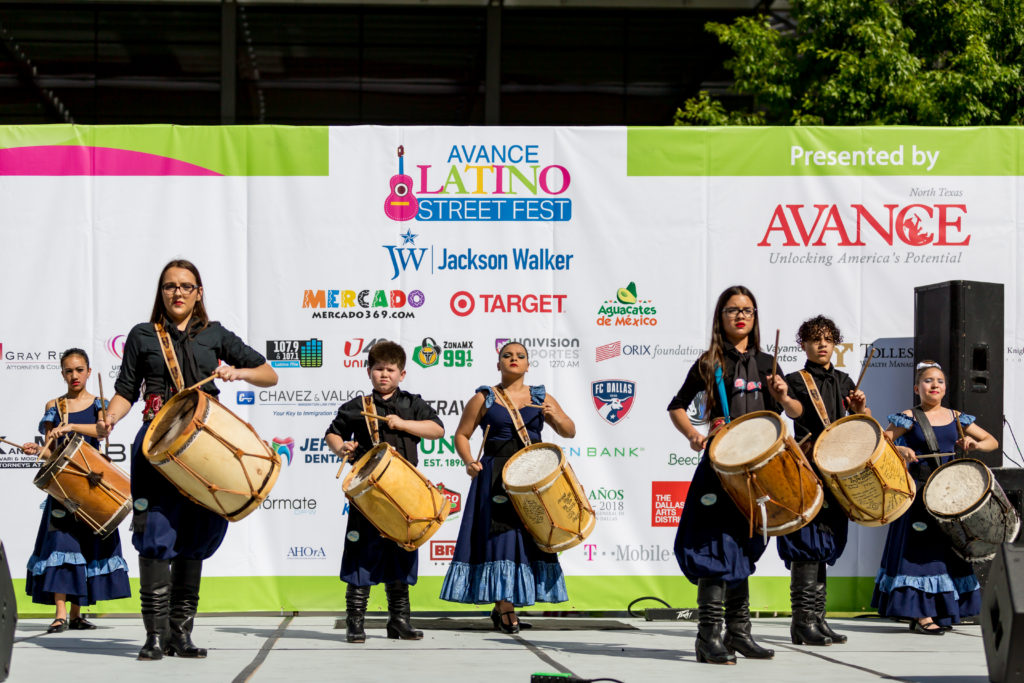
point(402, 257)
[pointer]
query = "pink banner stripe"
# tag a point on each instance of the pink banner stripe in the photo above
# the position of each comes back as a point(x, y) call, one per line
point(57, 160)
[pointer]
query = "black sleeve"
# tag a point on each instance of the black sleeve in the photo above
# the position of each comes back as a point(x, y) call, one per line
point(764, 368)
point(342, 425)
point(234, 351)
point(846, 385)
point(692, 385)
point(129, 379)
point(421, 410)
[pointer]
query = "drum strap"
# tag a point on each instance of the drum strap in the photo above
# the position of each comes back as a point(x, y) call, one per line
point(926, 429)
point(517, 419)
point(371, 423)
point(170, 358)
point(722, 396)
point(62, 409)
point(812, 391)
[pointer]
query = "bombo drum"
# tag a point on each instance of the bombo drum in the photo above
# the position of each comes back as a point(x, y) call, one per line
point(971, 508)
point(212, 456)
point(548, 497)
point(864, 471)
point(395, 496)
point(766, 474)
point(91, 487)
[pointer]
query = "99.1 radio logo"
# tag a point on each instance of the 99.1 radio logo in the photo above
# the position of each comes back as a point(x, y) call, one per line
point(454, 354)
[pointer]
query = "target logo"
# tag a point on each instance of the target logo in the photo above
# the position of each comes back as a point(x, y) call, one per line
point(462, 303)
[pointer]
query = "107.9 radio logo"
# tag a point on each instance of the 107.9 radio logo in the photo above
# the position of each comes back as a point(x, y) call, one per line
point(295, 353)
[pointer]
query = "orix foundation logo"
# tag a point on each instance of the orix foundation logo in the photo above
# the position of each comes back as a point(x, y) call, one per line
point(626, 309)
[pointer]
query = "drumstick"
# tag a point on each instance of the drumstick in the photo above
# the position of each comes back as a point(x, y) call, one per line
point(199, 384)
point(11, 443)
point(479, 456)
point(375, 416)
point(775, 358)
point(103, 411)
point(936, 455)
point(864, 369)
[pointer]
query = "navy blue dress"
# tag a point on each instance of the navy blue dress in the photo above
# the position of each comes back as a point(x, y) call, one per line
point(500, 561)
point(824, 539)
point(166, 524)
point(68, 557)
point(713, 540)
point(369, 558)
point(921, 576)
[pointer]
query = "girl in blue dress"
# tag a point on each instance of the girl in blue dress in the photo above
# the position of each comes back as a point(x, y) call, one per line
point(70, 563)
point(496, 560)
point(921, 578)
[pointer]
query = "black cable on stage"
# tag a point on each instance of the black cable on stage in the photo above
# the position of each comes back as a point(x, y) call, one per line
point(629, 608)
point(567, 678)
point(1014, 437)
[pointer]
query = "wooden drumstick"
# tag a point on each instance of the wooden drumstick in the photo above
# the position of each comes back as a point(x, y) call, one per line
point(199, 384)
point(775, 358)
point(936, 455)
point(375, 416)
point(11, 443)
point(483, 443)
point(103, 413)
point(863, 370)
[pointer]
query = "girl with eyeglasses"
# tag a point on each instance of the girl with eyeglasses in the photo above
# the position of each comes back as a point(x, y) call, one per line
point(172, 534)
point(70, 563)
point(713, 544)
point(921, 578)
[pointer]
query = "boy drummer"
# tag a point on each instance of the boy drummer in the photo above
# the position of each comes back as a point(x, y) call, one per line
point(369, 558)
point(824, 394)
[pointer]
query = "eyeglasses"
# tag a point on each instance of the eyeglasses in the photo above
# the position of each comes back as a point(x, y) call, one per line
point(734, 312)
point(186, 288)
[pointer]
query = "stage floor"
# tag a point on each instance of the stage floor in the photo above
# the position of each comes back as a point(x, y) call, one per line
point(310, 648)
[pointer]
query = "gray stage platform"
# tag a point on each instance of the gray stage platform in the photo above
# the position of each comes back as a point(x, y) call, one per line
point(309, 648)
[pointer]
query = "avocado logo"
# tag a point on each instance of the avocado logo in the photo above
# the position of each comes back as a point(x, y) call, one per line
point(627, 309)
point(627, 295)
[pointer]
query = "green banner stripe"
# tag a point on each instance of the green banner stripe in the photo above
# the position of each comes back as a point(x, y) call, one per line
point(586, 593)
point(228, 150)
point(824, 151)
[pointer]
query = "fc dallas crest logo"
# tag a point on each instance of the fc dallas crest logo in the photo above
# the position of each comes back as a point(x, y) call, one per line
point(613, 398)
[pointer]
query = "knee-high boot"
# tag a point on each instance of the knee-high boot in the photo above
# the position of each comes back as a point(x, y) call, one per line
point(185, 577)
point(821, 595)
point(155, 595)
point(803, 589)
point(711, 623)
point(399, 612)
point(355, 612)
point(737, 623)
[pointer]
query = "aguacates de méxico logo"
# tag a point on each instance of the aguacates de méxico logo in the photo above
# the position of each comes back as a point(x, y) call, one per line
point(482, 183)
point(613, 398)
point(627, 309)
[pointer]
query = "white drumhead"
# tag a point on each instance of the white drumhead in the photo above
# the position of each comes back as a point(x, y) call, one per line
point(956, 487)
point(847, 445)
point(376, 455)
point(533, 466)
point(175, 423)
point(747, 440)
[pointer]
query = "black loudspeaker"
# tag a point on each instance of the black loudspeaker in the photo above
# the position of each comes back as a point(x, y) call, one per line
point(959, 324)
point(8, 615)
point(1011, 480)
point(1002, 616)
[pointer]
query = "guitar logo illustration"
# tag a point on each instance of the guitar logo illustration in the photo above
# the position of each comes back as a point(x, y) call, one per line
point(400, 204)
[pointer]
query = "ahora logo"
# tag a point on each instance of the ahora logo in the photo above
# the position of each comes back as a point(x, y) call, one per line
point(819, 225)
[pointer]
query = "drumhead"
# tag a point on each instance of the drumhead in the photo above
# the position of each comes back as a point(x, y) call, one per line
point(747, 440)
point(175, 421)
point(533, 465)
point(847, 444)
point(956, 487)
point(56, 461)
point(376, 454)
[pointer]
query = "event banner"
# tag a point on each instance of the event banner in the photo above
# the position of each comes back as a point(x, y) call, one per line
point(602, 250)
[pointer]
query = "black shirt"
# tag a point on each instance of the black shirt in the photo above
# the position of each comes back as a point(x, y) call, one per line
point(349, 424)
point(143, 362)
point(833, 385)
point(694, 383)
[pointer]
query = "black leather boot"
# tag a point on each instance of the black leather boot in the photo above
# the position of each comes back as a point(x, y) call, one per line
point(737, 623)
point(821, 597)
point(155, 595)
point(803, 594)
point(399, 613)
point(355, 612)
point(185, 577)
point(711, 623)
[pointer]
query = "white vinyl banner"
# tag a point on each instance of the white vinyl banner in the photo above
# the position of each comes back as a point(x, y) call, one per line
point(602, 250)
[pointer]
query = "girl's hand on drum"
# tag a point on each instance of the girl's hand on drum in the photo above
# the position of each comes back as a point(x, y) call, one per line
point(967, 444)
point(777, 387)
point(474, 468)
point(348, 448)
point(229, 374)
point(909, 456)
point(103, 428)
point(857, 401)
point(697, 441)
point(30, 448)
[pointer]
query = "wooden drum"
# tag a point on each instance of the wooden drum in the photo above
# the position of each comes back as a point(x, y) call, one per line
point(766, 474)
point(864, 471)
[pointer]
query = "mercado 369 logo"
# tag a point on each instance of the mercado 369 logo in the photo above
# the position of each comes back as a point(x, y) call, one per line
point(509, 182)
point(627, 309)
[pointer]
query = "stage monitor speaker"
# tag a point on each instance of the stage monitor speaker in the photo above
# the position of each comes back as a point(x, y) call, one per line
point(8, 615)
point(1002, 615)
point(959, 324)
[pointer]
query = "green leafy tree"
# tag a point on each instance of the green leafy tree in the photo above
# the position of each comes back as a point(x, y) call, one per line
point(874, 62)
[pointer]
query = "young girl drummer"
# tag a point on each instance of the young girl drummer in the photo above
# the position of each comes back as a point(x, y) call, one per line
point(921, 578)
point(713, 543)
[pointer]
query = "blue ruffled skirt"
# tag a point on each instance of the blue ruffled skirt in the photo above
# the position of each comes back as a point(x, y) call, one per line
point(69, 558)
point(487, 567)
point(921, 576)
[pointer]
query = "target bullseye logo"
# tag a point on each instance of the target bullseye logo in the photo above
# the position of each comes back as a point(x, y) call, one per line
point(462, 303)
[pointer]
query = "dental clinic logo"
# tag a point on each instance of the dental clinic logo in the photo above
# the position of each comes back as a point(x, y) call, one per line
point(627, 309)
point(613, 398)
point(284, 447)
point(482, 183)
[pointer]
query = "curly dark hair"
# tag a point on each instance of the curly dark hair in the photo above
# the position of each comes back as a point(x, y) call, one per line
point(818, 326)
point(386, 351)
